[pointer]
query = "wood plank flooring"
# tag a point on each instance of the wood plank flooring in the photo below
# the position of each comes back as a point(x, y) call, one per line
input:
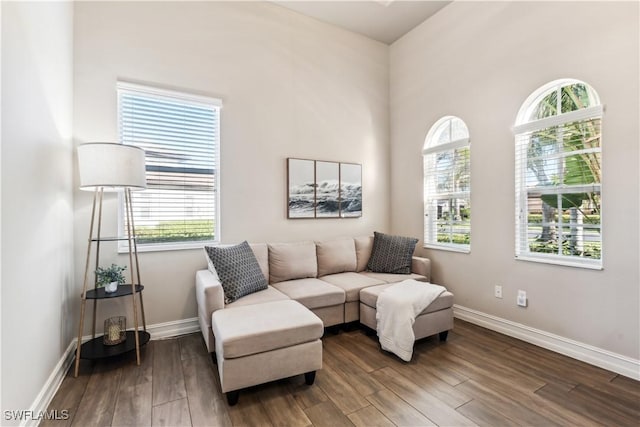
point(478, 377)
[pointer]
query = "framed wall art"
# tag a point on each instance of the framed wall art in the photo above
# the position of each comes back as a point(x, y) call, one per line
point(327, 190)
point(350, 190)
point(301, 176)
point(322, 189)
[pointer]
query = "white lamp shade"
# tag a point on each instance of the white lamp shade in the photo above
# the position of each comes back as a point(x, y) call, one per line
point(111, 166)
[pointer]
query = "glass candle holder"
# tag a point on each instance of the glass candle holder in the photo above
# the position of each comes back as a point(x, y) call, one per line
point(115, 330)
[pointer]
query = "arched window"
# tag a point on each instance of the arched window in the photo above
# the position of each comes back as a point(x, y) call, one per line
point(447, 186)
point(558, 175)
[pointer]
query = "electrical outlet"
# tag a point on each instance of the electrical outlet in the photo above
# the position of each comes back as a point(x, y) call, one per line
point(521, 300)
point(497, 291)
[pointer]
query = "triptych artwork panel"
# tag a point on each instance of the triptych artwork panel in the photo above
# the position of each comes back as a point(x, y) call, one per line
point(320, 189)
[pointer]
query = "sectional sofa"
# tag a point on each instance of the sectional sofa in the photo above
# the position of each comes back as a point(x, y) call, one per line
point(326, 277)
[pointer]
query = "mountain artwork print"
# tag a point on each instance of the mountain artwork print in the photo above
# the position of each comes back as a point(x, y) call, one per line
point(320, 189)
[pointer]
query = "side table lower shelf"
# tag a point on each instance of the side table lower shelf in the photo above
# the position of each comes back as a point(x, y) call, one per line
point(96, 349)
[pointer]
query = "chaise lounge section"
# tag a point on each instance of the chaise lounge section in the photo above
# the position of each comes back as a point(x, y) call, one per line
point(437, 318)
point(265, 342)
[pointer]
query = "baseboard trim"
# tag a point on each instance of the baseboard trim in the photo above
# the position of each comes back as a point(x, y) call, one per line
point(173, 329)
point(51, 386)
point(605, 359)
point(158, 331)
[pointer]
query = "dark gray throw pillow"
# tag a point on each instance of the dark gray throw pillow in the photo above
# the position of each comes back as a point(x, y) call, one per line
point(238, 270)
point(391, 254)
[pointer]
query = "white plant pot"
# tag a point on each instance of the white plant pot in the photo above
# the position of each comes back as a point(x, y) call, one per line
point(111, 287)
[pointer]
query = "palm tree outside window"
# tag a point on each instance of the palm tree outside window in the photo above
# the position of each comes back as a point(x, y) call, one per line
point(558, 175)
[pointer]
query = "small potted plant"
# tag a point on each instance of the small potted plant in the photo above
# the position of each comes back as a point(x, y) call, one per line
point(110, 277)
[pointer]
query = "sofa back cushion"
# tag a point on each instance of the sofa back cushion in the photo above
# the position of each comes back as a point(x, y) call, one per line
point(261, 251)
point(336, 256)
point(288, 261)
point(364, 245)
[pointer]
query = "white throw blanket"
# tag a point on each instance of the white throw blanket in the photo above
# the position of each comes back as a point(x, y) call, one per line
point(396, 312)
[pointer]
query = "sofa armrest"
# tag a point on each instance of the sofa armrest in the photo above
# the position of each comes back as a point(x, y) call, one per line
point(209, 294)
point(421, 266)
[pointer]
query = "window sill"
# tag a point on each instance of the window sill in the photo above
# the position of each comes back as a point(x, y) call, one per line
point(464, 249)
point(160, 247)
point(561, 262)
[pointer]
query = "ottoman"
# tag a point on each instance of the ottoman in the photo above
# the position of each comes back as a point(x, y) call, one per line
point(437, 318)
point(264, 342)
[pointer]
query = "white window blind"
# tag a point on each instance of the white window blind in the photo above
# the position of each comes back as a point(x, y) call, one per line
point(180, 135)
point(558, 176)
point(447, 186)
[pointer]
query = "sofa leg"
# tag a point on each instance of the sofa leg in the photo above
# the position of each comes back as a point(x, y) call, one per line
point(333, 330)
point(369, 332)
point(443, 336)
point(310, 377)
point(232, 397)
point(351, 326)
point(213, 357)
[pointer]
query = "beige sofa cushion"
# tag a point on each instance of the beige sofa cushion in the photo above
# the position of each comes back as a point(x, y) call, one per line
point(260, 297)
point(336, 256)
point(393, 277)
point(242, 331)
point(312, 293)
point(364, 245)
point(261, 251)
point(288, 261)
point(351, 283)
point(369, 296)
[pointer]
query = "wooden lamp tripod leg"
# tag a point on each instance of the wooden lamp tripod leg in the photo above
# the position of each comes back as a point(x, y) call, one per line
point(86, 280)
point(131, 237)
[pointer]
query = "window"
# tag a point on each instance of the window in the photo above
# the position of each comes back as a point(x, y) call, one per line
point(558, 176)
point(180, 135)
point(447, 186)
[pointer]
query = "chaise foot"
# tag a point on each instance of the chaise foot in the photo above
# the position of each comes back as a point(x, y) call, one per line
point(310, 377)
point(443, 336)
point(232, 397)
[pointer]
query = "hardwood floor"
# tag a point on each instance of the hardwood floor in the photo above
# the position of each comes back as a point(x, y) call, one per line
point(478, 377)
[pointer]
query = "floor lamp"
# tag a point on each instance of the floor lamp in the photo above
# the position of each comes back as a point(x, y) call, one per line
point(110, 167)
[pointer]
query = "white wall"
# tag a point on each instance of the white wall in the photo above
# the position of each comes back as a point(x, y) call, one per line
point(291, 87)
point(480, 61)
point(36, 196)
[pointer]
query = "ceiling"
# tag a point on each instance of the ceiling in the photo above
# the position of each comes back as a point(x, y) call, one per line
point(384, 20)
